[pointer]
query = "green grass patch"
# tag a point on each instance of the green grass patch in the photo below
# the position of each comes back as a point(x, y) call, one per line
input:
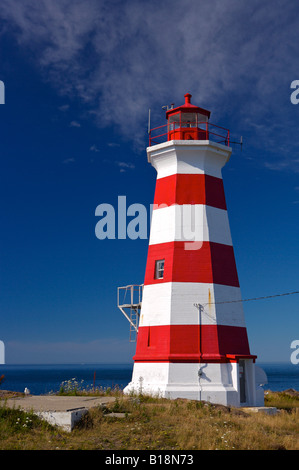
point(159, 424)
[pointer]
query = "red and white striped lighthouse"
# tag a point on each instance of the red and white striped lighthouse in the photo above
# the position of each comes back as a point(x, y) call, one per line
point(192, 338)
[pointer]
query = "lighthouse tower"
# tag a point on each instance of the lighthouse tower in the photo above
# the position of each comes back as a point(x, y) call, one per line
point(192, 339)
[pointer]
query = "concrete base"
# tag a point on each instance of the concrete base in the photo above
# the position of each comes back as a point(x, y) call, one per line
point(269, 410)
point(65, 420)
point(213, 382)
point(63, 411)
point(224, 395)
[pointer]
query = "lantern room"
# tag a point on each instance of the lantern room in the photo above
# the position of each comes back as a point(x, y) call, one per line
point(187, 122)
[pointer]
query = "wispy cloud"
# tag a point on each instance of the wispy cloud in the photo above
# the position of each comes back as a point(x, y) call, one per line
point(125, 166)
point(120, 58)
point(283, 163)
point(64, 107)
point(75, 124)
point(113, 144)
point(94, 148)
point(68, 160)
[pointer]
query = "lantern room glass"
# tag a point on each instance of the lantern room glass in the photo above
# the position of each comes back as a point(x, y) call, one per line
point(179, 119)
point(179, 123)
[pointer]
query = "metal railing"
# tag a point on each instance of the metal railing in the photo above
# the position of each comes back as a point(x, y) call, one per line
point(199, 130)
point(129, 300)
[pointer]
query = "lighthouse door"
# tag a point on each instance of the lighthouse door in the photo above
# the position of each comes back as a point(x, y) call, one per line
point(242, 381)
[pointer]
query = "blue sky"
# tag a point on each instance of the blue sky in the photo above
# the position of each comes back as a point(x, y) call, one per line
point(79, 79)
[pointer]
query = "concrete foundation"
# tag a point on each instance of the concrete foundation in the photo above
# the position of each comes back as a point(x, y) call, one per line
point(217, 383)
point(64, 412)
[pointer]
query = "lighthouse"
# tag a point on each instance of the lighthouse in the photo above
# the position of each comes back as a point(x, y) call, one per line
point(192, 339)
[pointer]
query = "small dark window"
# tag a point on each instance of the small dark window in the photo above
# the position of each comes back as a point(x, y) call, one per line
point(159, 269)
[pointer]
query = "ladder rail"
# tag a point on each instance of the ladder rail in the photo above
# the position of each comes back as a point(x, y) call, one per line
point(130, 298)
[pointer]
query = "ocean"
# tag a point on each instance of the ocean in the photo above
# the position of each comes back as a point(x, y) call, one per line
point(44, 379)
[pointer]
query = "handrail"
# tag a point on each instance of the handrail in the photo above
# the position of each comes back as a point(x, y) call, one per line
point(134, 292)
point(205, 131)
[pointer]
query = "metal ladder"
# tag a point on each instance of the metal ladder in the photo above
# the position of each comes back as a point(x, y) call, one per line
point(129, 300)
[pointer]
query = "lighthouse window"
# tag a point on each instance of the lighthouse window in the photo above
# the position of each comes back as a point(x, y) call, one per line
point(189, 120)
point(159, 269)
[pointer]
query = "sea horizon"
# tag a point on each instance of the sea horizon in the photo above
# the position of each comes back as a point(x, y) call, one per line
point(131, 363)
point(47, 378)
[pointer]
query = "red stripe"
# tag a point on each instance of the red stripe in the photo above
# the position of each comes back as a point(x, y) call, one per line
point(211, 263)
point(191, 343)
point(190, 189)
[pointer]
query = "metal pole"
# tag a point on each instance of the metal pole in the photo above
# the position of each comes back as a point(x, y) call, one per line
point(149, 127)
point(199, 307)
point(149, 121)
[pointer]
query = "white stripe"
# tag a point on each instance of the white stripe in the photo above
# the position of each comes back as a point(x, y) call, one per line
point(188, 157)
point(218, 383)
point(190, 223)
point(176, 373)
point(172, 303)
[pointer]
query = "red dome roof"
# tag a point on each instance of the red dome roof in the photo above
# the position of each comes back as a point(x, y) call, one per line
point(188, 107)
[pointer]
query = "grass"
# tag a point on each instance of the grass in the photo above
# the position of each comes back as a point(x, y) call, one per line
point(286, 400)
point(19, 430)
point(74, 388)
point(159, 424)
